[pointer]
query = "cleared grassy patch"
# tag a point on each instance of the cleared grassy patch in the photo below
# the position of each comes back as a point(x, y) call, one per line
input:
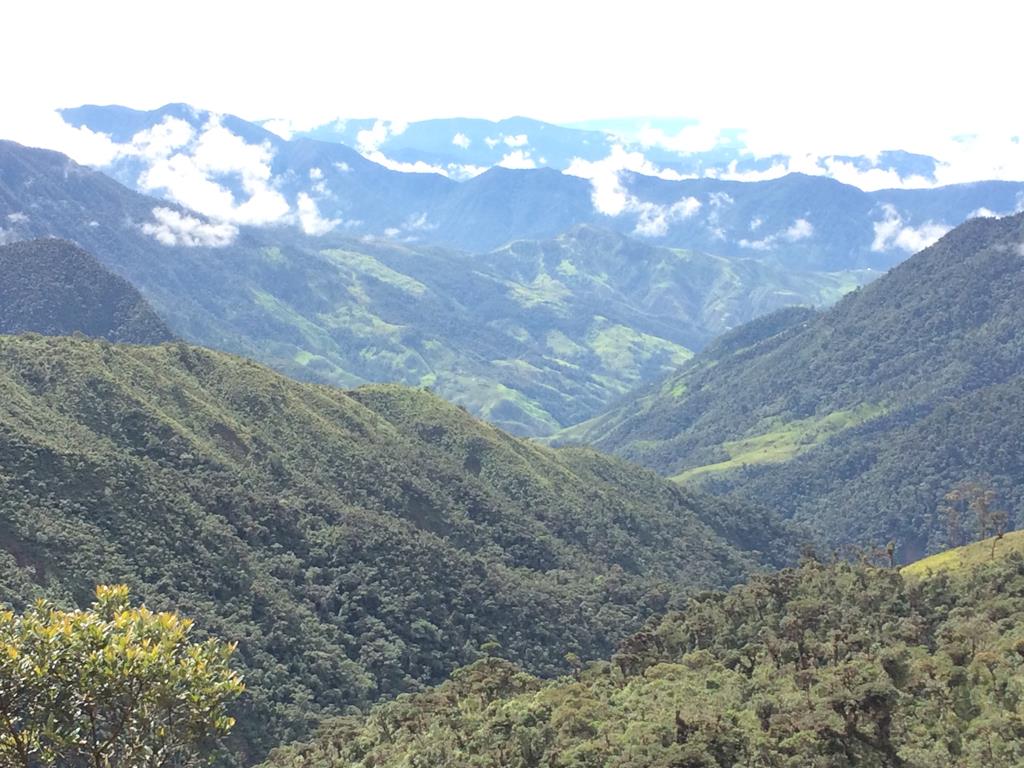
point(967, 556)
point(784, 443)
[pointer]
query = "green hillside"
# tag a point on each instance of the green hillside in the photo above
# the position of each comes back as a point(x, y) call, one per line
point(355, 544)
point(858, 419)
point(55, 288)
point(833, 666)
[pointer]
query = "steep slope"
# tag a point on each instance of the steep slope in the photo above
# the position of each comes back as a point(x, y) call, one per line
point(534, 336)
point(55, 288)
point(840, 666)
point(356, 545)
point(857, 420)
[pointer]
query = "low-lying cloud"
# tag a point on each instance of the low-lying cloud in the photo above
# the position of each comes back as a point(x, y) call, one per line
point(310, 220)
point(189, 169)
point(892, 232)
point(611, 198)
point(174, 228)
point(800, 229)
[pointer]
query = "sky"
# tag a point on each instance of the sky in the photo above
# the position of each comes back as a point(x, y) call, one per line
point(798, 77)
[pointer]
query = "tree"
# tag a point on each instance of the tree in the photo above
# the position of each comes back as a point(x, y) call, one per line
point(109, 687)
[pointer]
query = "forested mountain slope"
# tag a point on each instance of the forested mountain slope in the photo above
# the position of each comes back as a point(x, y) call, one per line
point(533, 337)
point(834, 666)
point(355, 544)
point(857, 420)
point(55, 288)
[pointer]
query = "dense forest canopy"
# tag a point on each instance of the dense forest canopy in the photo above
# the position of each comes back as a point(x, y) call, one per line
point(824, 666)
point(55, 288)
point(354, 544)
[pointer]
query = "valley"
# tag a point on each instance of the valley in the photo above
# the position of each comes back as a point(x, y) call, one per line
point(423, 386)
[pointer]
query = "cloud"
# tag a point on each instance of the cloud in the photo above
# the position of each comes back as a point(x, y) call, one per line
point(609, 195)
point(418, 167)
point(174, 228)
point(461, 140)
point(371, 139)
point(461, 172)
point(161, 140)
point(699, 137)
point(984, 213)
point(519, 140)
point(190, 173)
point(343, 167)
point(17, 218)
point(315, 174)
point(280, 127)
point(418, 222)
point(653, 219)
point(755, 223)
point(891, 232)
point(716, 202)
point(800, 229)
point(872, 179)
point(492, 142)
point(309, 217)
point(518, 160)
point(611, 198)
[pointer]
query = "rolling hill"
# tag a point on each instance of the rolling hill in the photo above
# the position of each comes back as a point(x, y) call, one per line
point(355, 544)
point(856, 420)
point(57, 289)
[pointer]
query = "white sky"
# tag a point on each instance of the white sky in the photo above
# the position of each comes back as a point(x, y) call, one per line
point(800, 76)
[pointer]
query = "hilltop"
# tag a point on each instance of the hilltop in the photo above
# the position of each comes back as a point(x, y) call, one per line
point(55, 288)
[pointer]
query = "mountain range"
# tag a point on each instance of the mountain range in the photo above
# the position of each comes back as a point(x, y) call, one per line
point(425, 587)
point(534, 336)
point(234, 170)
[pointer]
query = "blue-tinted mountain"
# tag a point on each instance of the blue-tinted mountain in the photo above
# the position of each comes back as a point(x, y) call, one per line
point(805, 222)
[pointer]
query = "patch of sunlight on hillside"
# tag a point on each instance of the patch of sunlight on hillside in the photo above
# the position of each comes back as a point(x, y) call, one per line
point(785, 442)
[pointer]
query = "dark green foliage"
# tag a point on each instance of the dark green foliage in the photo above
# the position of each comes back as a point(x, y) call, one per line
point(355, 545)
point(55, 288)
point(820, 667)
point(923, 371)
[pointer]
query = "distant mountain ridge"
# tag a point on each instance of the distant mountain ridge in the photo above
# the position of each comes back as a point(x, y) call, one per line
point(859, 419)
point(533, 336)
point(54, 288)
point(806, 222)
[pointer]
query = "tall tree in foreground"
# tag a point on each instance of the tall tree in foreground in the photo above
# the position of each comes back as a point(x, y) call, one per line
point(109, 687)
